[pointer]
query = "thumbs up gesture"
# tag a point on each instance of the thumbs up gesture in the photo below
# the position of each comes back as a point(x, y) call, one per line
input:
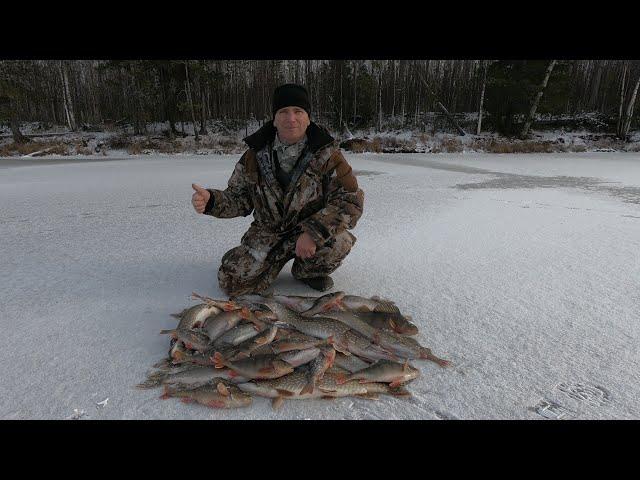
point(199, 198)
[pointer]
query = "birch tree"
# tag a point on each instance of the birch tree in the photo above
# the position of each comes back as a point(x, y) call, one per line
point(536, 100)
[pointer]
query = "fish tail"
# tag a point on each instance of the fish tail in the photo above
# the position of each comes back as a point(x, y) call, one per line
point(308, 388)
point(425, 354)
point(149, 383)
point(399, 392)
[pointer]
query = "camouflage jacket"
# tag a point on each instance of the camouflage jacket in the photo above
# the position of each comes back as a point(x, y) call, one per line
point(322, 199)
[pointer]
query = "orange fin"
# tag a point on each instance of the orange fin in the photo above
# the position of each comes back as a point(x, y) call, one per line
point(277, 403)
point(222, 388)
point(396, 383)
point(218, 361)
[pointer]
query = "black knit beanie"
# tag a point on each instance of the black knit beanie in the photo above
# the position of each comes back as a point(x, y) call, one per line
point(291, 95)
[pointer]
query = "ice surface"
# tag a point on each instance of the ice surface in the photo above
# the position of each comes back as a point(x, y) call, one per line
point(529, 283)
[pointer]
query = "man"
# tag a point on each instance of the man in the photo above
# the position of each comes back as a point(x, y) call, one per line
point(303, 195)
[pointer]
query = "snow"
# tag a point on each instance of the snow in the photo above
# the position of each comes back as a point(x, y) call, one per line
point(521, 269)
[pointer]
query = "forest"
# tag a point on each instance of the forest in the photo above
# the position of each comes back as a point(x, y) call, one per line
point(467, 96)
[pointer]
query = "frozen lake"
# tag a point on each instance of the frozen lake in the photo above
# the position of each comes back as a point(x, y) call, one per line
point(521, 269)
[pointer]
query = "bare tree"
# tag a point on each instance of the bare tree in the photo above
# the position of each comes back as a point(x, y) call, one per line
point(484, 84)
point(536, 100)
point(620, 124)
point(66, 95)
point(443, 108)
point(629, 113)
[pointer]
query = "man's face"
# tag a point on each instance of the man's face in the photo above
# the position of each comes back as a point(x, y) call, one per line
point(292, 123)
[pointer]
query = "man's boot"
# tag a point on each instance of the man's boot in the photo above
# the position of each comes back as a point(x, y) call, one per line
point(319, 283)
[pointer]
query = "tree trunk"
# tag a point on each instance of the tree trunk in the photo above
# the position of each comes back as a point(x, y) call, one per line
point(68, 106)
point(629, 115)
point(193, 112)
point(621, 109)
point(484, 84)
point(442, 107)
point(18, 137)
point(536, 101)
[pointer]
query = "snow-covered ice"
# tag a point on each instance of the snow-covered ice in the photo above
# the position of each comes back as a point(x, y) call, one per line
point(521, 269)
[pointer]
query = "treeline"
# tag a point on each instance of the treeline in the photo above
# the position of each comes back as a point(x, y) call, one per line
point(355, 93)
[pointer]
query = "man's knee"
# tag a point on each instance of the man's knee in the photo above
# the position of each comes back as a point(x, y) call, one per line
point(237, 269)
point(327, 258)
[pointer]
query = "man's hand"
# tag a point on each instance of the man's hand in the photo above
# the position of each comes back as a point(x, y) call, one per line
point(200, 198)
point(305, 246)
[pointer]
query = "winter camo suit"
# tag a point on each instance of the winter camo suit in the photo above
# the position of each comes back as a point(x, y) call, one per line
point(322, 198)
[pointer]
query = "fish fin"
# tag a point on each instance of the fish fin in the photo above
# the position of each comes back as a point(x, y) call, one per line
point(326, 389)
point(364, 380)
point(277, 403)
point(218, 361)
point(368, 396)
point(396, 383)
point(168, 332)
point(176, 315)
point(164, 396)
point(406, 365)
point(150, 383)
point(222, 388)
point(308, 388)
point(266, 370)
point(162, 363)
point(393, 325)
point(400, 392)
point(327, 397)
point(216, 403)
point(187, 400)
point(409, 318)
point(284, 393)
point(341, 378)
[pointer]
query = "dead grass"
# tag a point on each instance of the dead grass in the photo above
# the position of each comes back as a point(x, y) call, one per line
point(48, 148)
point(448, 145)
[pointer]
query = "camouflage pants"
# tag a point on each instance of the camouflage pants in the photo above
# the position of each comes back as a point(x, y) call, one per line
point(256, 262)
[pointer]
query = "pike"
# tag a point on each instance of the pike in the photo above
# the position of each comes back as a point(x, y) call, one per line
point(223, 305)
point(355, 303)
point(194, 317)
point(237, 335)
point(330, 386)
point(192, 339)
point(294, 302)
point(295, 341)
point(389, 321)
point(398, 345)
point(351, 363)
point(288, 386)
point(190, 377)
point(320, 327)
point(258, 367)
point(363, 348)
point(318, 367)
point(252, 345)
point(384, 371)
point(216, 325)
point(213, 395)
point(325, 303)
point(300, 357)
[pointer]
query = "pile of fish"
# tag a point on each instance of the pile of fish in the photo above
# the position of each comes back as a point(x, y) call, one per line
point(224, 352)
